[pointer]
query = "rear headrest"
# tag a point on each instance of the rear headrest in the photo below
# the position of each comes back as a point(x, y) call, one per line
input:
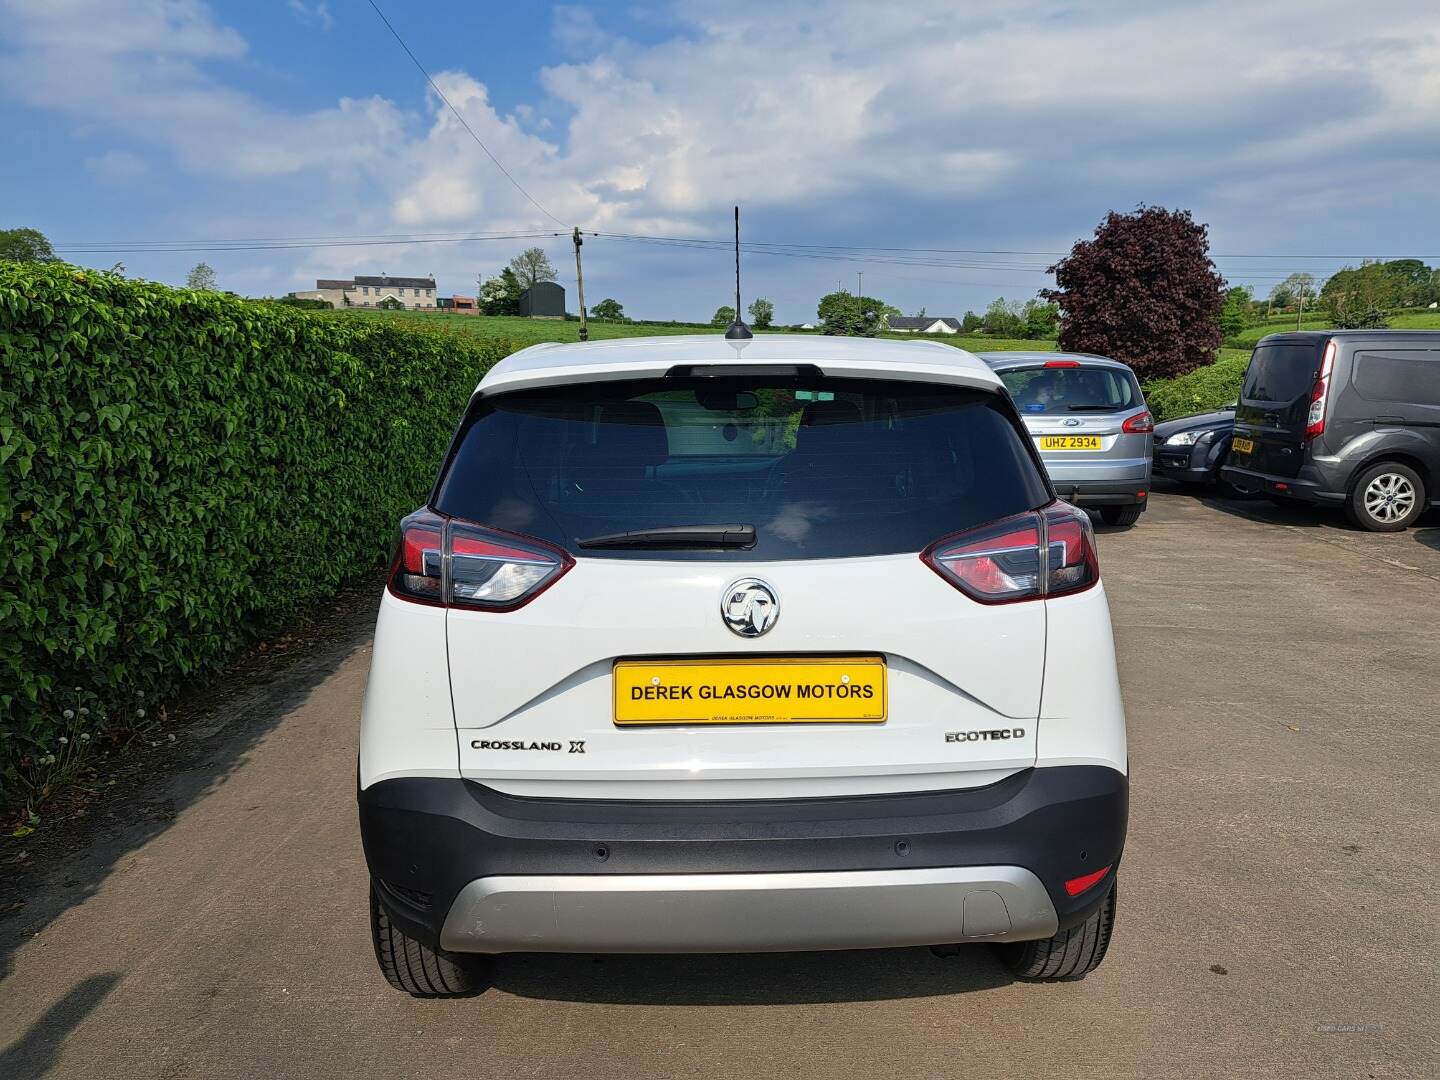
point(819, 413)
point(632, 433)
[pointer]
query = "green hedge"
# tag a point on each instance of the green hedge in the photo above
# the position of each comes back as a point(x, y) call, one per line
point(1202, 390)
point(180, 469)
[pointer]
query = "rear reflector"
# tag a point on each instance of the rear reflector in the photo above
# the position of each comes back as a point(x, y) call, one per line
point(1075, 886)
point(451, 563)
point(1028, 556)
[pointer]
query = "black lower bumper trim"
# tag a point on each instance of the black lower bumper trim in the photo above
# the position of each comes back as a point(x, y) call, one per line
point(429, 837)
point(1102, 492)
point(1290, 486)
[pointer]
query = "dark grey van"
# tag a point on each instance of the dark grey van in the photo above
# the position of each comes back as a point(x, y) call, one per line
point(1345, 417)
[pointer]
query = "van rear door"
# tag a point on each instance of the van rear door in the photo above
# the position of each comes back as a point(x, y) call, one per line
point(1274, 405)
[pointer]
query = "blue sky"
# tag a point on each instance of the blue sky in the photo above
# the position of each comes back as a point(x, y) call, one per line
point(1293, 128)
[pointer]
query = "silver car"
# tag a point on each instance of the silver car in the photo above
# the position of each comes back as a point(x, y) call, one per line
point(1090, 423)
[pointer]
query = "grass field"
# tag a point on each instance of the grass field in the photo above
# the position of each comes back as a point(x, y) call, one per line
point(1207, 388)
point(1403, 320)
point(534, 331)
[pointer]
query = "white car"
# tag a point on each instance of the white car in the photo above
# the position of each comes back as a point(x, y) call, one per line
point(727, 646)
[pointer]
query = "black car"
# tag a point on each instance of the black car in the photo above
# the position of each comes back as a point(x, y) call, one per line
point(1192, 448)
point(1349, 418)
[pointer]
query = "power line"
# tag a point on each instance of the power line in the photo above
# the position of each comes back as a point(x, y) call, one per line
point(441, 94)
point(161, 248)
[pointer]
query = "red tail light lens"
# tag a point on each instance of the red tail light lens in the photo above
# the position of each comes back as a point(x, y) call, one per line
point(1041, 553)
point(997, 563)
point(1062, 363)
point(1319, 394)
point(1075, 886)
point(1140, 424)
point(457, 564)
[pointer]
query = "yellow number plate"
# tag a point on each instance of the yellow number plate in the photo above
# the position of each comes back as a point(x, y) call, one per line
point(1069, 442)
point(1245, 446)
point(810, 690)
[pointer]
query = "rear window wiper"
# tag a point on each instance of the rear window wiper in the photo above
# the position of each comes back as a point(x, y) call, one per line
point(1094, 408)
point(676, 536)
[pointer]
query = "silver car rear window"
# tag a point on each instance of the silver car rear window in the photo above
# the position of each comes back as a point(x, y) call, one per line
point(1071, 389)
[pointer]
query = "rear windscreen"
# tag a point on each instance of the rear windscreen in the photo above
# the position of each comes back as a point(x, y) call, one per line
point(822, 468)
point(1281, 372)
point(1071, 389)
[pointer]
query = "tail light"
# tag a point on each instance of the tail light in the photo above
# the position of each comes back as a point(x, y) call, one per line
point(1142, 423)
point(1320, 394)
point(451, 563)
point(1040, 553)
point(1062, 363)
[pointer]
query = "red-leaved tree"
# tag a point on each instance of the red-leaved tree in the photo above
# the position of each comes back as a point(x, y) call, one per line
point(1144, 291)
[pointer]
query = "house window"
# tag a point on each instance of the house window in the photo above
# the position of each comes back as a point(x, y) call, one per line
point(365, 289)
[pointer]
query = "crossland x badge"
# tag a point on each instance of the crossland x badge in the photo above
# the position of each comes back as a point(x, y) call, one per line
point(749, 607)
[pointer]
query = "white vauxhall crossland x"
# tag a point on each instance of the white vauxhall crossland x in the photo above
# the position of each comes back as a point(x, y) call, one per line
point(782, 643)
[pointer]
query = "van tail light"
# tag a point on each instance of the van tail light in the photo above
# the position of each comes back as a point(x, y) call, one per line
point(1320, 394)
point(1062, 363)
point(1142, 423)
point(1028, 556)
point(449, 563)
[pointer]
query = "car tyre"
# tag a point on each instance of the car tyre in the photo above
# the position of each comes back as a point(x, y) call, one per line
point(1122, 516)
point(1070, 954)
point(1386, 497)
point(417, 969)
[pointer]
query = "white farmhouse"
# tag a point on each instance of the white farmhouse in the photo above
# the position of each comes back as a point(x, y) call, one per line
point(409, 293)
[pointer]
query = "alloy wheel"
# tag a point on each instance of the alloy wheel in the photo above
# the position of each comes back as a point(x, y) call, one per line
point(1389, 497)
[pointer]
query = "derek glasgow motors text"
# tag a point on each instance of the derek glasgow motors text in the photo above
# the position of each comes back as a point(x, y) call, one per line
point(753, 692)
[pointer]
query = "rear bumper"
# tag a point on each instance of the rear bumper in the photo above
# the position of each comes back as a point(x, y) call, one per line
point(1102, 492)
point(1310, 488)
point(469, 869)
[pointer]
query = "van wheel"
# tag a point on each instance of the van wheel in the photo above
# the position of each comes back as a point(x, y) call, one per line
point(1386, 497)
point(1123, 516)
point(416, 968)
point(1070, 954)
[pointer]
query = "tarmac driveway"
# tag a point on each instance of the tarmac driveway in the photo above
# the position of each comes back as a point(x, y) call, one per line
point(1277, 908)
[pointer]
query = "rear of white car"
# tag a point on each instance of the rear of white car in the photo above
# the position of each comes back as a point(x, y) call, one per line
point(705, 646)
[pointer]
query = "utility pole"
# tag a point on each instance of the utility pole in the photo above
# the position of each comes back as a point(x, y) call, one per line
point(859, 282)
point(1301, 313)
point(580, 284)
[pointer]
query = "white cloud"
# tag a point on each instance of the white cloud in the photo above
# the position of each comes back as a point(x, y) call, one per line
point(318, 13)
point(909, 118)
point(117, 166)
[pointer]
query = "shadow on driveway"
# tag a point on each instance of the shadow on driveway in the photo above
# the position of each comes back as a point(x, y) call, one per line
point(36, 1052)
point(222, 719)
point(749, 979)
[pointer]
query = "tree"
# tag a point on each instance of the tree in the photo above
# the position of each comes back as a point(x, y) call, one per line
point(1143, 291)
point(762, 313)
point(971, 322)
point(500, 295)
point(531, 266)
point(1235, 314)
point(845, 314)
point(1003, 318)
point(1292, 289)
point(608, 310)
point(25, 245)
point(1357, 298)
point(201, 277)
point(723, 316)
point(1412, 281)
point(1040, 319)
